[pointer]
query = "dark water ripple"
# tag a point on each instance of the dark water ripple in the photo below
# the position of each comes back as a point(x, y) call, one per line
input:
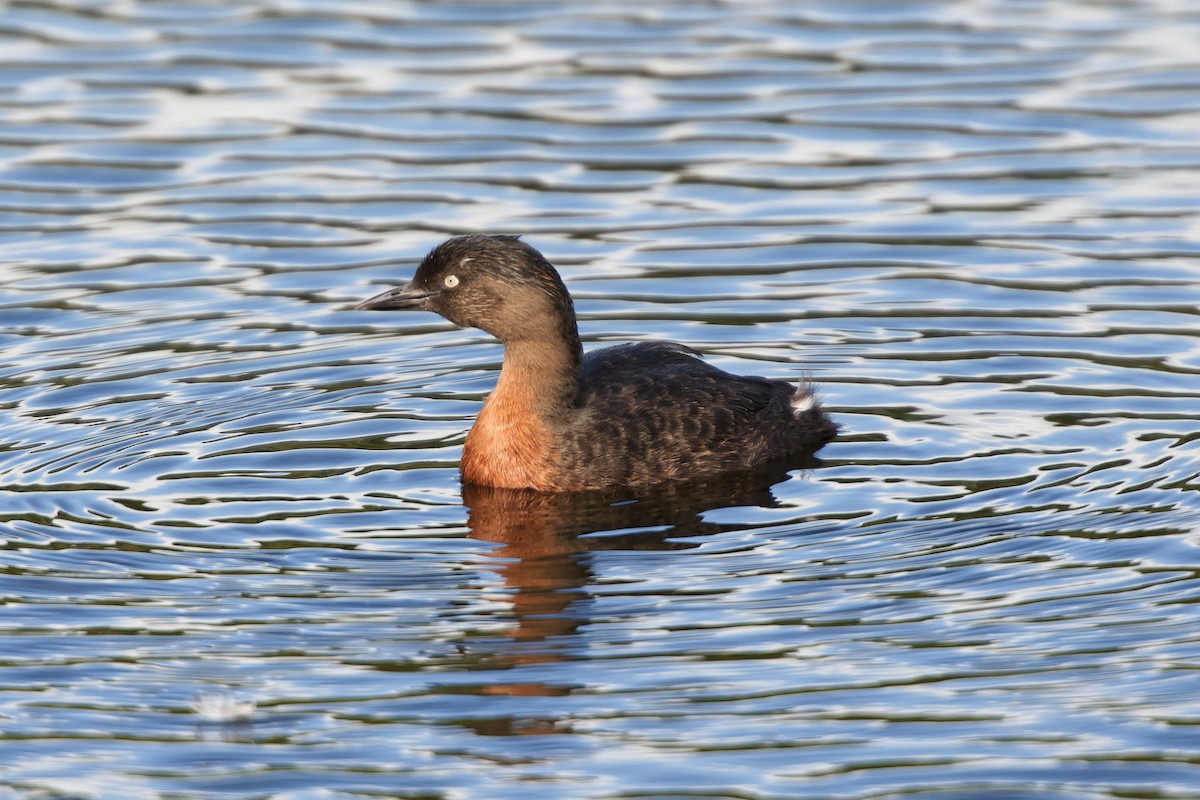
point(972, 224)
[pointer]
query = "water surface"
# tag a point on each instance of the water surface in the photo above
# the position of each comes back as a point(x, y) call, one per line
point(973, 224)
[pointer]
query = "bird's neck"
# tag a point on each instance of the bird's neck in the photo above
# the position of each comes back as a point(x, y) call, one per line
point(514, 438)
point(541, 372)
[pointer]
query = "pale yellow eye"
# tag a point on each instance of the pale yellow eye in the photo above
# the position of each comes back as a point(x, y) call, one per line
point(451, 281)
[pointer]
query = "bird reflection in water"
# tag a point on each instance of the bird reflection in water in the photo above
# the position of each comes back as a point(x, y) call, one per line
point(543, 558)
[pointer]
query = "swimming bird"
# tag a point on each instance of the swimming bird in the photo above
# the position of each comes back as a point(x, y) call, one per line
point(625, 416)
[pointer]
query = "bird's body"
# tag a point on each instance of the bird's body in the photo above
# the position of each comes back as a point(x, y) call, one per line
point(631, 415)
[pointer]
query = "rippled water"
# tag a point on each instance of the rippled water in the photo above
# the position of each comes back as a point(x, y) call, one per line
point(973, 224)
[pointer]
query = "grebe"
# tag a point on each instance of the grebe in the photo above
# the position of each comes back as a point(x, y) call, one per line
point(631, 415)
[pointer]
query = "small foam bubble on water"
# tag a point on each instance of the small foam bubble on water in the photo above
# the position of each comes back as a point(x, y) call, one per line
point(221, 707)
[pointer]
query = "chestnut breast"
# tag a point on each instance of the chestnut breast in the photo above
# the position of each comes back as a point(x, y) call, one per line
point(509, 445)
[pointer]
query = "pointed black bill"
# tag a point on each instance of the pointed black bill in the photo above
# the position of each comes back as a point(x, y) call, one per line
point(405, 297)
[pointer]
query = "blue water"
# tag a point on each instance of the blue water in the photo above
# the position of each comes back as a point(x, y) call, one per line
point(974, 225)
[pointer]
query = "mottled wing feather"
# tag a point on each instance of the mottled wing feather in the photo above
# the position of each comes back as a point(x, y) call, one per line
point(614, 362)
point(656, 408)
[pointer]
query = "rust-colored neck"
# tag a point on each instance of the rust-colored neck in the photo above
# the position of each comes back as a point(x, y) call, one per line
point(543, 371)
point(513, 442)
